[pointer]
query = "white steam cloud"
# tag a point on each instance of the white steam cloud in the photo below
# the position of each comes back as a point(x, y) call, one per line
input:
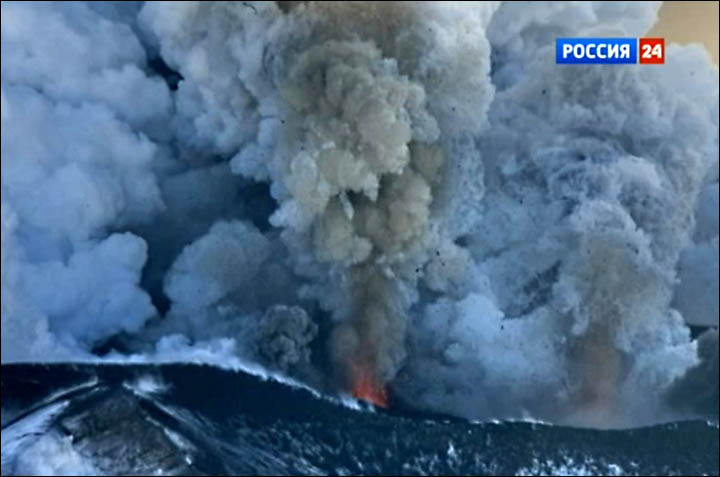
point(413, 191)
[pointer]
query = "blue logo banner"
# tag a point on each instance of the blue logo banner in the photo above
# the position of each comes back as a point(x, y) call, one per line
point(596, 51)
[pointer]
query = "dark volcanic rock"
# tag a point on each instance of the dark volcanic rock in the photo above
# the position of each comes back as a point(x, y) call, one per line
point(188, 419)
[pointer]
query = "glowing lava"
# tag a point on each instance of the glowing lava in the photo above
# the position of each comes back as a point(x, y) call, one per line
point(367, 388)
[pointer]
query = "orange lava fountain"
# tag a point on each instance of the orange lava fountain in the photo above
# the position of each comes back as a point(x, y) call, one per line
point(366, 387)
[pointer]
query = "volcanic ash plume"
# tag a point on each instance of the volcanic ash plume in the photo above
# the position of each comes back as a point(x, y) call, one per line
point(355, 156)
point(355, 162)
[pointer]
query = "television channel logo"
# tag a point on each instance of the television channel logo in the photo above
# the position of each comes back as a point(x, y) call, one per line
point(608, 51)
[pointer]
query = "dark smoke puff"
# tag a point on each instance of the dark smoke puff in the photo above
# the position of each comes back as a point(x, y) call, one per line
point(283, 337)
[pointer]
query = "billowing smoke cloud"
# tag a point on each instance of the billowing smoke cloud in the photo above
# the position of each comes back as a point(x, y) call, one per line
point(76, 167)
point(352, 184)
point(413, 194)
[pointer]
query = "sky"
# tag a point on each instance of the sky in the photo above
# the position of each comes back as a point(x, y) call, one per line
point(689, 22)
